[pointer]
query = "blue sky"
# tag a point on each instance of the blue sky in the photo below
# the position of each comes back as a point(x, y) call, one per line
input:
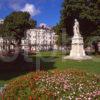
point(44, 11)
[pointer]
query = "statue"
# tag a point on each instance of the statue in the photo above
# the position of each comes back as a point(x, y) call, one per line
point(77, 51)
point(76, 28)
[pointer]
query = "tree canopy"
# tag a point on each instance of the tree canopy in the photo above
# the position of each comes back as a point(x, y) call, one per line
point(86, 11)
point(16, 24)
point(88, 14)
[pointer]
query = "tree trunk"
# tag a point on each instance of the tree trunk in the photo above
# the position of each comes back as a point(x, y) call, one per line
point(95, 45)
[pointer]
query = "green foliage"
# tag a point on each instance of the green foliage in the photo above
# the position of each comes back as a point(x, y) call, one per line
point(86, 11)
point(92, 39)
point(63, 38)
point(88, 14)
point(32, 23)
point(16, 24)
point(58, 31)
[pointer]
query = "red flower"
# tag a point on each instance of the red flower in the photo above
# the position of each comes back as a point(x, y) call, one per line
point(30, 98)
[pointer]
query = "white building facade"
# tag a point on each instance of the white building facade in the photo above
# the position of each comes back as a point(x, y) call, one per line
point(39, 40)
point(1, 21)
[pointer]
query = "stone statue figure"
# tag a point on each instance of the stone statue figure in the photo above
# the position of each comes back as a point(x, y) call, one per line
point(77, 51)
point(76, 28)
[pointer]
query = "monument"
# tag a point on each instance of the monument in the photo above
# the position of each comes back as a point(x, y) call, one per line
point(77, 51)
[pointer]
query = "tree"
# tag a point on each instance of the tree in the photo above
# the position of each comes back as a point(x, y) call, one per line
point(16, 24)
point(58, 31)
point(86, 11)
point(94, 40)
point(88, 14)
point(63, 38)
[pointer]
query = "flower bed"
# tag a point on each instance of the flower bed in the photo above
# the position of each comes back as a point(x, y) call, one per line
point(54, 85)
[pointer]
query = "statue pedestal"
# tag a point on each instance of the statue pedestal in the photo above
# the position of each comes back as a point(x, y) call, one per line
point(77, 49)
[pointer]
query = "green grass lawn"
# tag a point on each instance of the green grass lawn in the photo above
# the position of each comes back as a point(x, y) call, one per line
point(92, 66)
point(51, 61)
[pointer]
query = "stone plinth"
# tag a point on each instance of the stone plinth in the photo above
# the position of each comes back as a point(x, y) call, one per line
point(77, 49)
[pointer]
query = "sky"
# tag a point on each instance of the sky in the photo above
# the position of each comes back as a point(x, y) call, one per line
point(43, 11)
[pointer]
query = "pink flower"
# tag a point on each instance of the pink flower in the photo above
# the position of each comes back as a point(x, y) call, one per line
point(98, 93)
point(65, 86)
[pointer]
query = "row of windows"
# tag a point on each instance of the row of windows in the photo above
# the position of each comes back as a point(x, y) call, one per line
point(42, 37)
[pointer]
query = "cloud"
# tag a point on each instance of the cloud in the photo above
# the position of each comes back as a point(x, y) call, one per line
point(31, 9)
point(23, 5)
point(16, 4)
